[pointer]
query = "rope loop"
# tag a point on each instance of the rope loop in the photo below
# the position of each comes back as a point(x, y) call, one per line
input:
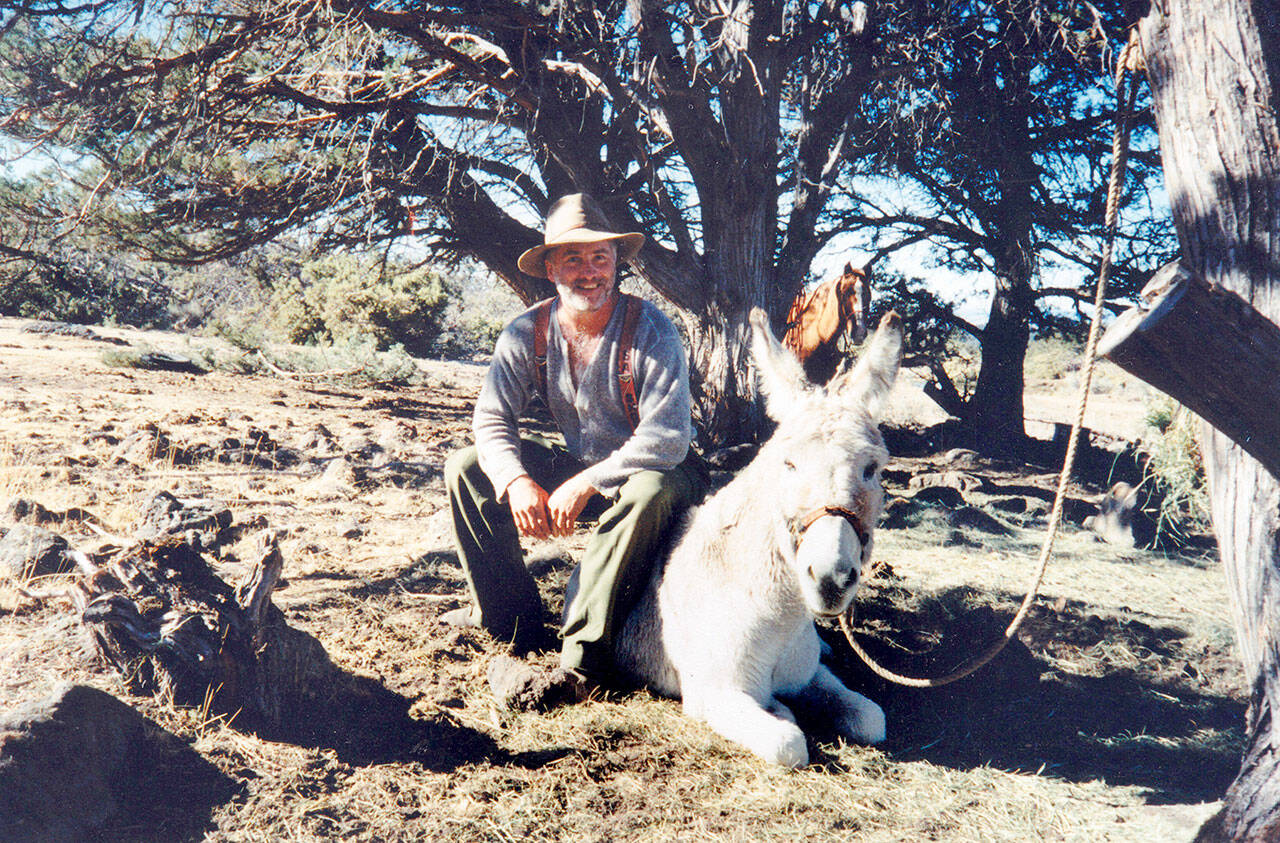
point(1127, 92)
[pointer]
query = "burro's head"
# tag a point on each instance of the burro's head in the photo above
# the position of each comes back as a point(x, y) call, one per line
point(823, 463)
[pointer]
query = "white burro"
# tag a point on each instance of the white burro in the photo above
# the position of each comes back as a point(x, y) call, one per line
point(726, 624)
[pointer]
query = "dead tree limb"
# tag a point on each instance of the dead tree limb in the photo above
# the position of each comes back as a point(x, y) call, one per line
point(943, 391)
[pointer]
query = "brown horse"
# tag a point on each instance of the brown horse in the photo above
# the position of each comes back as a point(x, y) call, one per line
point(818, 319)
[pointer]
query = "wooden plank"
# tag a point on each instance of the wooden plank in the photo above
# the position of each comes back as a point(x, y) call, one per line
point(1211, 351)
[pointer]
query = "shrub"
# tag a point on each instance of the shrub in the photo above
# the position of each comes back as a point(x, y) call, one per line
point(235, 290)
point(295, 316)
point(479, 308)
point(1175, 469)
point(85, 289)
point(353, 363)
point(357, 363)
point(1050, 358)
point(343, 298)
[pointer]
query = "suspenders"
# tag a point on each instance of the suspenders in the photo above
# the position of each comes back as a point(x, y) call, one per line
point(626, 379)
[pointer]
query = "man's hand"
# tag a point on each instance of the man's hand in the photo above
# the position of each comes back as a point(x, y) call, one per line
point(566, 503)
point(528, 503)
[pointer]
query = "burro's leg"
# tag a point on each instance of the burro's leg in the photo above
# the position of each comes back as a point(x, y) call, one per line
point(856, 717)
point(739, 717)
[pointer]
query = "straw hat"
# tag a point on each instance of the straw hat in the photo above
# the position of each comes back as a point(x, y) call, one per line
point(577, 218)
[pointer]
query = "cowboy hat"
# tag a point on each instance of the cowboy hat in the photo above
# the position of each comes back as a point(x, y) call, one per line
point(576, 218)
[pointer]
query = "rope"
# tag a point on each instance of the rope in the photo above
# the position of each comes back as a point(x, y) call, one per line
point(1119, 158)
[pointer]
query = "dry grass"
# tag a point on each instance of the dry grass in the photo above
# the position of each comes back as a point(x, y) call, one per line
point(1125, 697)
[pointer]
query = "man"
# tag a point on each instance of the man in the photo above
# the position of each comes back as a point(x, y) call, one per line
point(635, 465)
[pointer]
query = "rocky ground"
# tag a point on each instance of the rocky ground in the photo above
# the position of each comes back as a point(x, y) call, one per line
point(1123, 695)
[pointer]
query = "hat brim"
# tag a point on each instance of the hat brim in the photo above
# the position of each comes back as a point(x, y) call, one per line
point(534, 261)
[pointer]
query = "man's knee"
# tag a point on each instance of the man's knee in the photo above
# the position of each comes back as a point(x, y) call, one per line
point(458, 465)
point(648, 491)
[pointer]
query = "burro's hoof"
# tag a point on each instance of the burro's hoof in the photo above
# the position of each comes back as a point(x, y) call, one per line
point(865, 724)
point(790, 749)
point(460, 617)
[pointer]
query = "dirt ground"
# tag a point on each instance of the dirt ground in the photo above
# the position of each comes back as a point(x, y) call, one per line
point(1116, 717)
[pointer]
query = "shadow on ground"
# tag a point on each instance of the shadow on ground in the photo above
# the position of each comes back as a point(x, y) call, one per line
point(436, 571)
point(82, 764)
point(366, 723)
point(1070, 713)
point(1101, 697)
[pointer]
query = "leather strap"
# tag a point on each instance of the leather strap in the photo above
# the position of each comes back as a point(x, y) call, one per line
point(626, 343)
point(631, 307)
point(541, 336)
point(840, 512)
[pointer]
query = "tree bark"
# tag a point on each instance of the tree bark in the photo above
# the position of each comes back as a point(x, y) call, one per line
point(995, 410)
point(722, 381)
point(158, 613)
point(1214, 67)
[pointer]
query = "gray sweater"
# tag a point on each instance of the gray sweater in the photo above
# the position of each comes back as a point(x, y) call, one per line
point(591, 418)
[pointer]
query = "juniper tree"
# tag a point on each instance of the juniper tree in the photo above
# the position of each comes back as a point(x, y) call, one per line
point(732, 133)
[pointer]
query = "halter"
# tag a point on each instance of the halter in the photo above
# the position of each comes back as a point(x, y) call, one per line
point(851, 517)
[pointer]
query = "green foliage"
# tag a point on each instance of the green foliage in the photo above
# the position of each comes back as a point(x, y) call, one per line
point(85, 289)
point(270, 294)
point(247, 351)
point(1175, 469)
point(234, 291)
point(484, 330)
point(1161, 416)
point(343, 298)
point(355, 362)
point(295, 312)
point(279, 293)
point(480, 306)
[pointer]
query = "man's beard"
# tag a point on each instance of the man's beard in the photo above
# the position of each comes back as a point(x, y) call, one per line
point(584, 301)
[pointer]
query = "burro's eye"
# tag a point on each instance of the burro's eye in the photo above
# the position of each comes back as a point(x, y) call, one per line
point(789, 464)
point(870, 470)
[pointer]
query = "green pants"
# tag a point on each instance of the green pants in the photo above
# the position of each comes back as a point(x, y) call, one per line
point(613, 571)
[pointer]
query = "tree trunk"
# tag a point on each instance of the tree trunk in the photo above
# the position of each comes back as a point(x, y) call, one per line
point(995, 411)
point(725, 409)
point(1214, 67)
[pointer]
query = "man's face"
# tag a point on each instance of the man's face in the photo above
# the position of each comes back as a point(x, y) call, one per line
point(585, 274)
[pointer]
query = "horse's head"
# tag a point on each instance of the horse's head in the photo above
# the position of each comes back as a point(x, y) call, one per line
point(826, 456)
point(854, 293)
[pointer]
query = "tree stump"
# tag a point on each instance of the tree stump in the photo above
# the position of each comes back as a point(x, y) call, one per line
point(160, 615)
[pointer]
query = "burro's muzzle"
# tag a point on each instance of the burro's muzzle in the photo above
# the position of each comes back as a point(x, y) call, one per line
point(832, 546)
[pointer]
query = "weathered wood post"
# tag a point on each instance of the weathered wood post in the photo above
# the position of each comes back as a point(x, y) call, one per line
point(1211, 351)
point(1214, 70)
point(157, 612)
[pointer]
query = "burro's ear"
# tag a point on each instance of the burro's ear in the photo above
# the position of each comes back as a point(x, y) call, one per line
point(867, 386)
point(781, 378)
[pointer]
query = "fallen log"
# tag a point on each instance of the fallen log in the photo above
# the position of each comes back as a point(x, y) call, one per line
point(1209, 350)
